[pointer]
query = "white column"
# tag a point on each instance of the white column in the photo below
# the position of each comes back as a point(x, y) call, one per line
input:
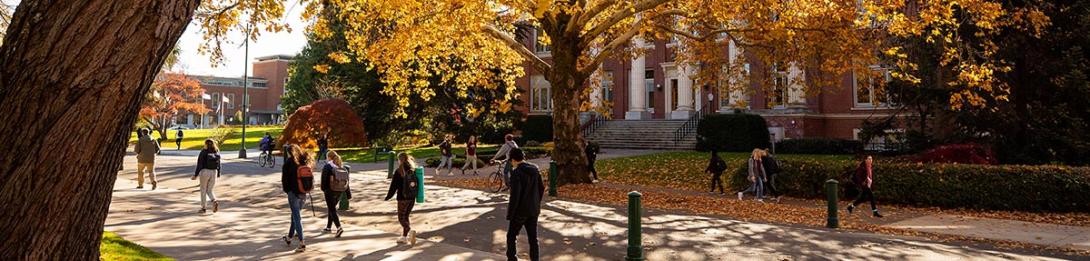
point(636, 93)
point(684, 93)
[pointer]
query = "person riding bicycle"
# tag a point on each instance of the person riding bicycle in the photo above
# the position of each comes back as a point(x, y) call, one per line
point(267, 144)
point(505, 152)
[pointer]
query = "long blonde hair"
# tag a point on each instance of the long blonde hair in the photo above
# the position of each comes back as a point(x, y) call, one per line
point(299, 156)
point(757, 153)
point(405, 160)
point(335, 158)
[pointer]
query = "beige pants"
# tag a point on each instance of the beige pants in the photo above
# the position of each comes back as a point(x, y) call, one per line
point(208, 182)
point(140, 168)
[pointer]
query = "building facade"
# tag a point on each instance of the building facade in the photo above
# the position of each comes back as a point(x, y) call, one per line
point(655, 87)
point(266, 86)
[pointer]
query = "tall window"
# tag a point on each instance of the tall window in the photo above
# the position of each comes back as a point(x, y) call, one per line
point(729, 98)
point(539, 47)
point(540, 94)
point(607, 86)
point(780, 82)
point(216, 100)
point(649, 87)
point(230, 104)
point(869, 94)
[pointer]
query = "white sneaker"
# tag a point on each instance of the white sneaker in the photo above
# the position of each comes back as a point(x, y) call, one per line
point(401, 240)
point(739, 195)
point(412, 237)
point(761, 200)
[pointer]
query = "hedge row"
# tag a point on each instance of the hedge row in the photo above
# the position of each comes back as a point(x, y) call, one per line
point(818, 146)
point(537, 128)
point(485, 155)
point(1000, 187)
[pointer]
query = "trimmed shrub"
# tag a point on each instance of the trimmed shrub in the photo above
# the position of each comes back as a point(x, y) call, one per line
point(959, 153)
point(485, 155)
point(1000, 187)
point(818, 146)
point(537, 128)
point(732, 132)
point(334, 116)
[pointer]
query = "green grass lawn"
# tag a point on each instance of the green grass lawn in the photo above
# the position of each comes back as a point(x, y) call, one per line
point(114, 247)
point(681, 170)
point(194, 138)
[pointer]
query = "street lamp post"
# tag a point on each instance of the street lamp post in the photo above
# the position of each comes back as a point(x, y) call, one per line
point(245, 92)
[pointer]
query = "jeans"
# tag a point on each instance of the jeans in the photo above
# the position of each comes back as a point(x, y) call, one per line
point(592, 169)
point(470, 159)
point(865, 193)
point(404, 208)
point(770, 186)
point(717, 182)
point(517, 224)
point(208, 182)
point(295, 203)
point(507, 173)
point(145, 167)
point(757, 188)
point(331, 200)
point(445, 162)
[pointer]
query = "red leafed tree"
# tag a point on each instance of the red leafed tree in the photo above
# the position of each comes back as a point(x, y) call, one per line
point(171, 94)
point(333, 116)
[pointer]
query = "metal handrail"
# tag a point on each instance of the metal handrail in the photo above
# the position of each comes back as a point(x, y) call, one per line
point(689, 126)
point(592, 125)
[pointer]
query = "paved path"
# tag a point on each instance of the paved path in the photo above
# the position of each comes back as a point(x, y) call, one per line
point(462, 224)
point(1036, 233)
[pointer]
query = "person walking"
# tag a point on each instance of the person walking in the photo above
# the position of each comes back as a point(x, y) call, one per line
point(332, 189)
point(471, 155)
point(208, 169)
point(446, 156)
point(591, 149)
point(294, 185)
point(146, 150)
point(716, 166)
point(756, 177)
point(505, 151)
point(524, 204)
point(178, 138)
point(323, 145)
point(404, 186)
point(771, 168)
point(864, 179)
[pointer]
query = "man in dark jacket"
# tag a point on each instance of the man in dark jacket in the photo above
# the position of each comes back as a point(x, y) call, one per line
point(525, 205)
point(146, 149)
point(772, 167)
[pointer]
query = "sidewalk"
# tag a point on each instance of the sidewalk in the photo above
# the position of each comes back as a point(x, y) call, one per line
point(166, 221)
point(1053, 235)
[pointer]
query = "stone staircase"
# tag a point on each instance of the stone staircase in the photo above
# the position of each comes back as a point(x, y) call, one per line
point(642, 134)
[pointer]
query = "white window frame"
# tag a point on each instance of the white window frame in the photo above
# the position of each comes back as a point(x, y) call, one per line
point(779, 76)
point(871, 104)
point(230, 104)
point(540, 94)
point(607, 86)
point(539, 48)
point(878, 143)
point(649, 90)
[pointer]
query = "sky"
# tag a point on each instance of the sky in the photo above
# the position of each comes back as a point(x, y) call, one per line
point(193, 63)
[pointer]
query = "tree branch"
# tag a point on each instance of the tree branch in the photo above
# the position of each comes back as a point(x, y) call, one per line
point(618, 17)
point(594, 11)
point(610, 48)
point(518, 47)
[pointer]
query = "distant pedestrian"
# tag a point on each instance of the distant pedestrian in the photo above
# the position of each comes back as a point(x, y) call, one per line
point(267, 144)
point(208, 169)
point(864, 179)
point(296, 180)
point(504, 152)
point(146, 150)
point(323, 145)
point(591, 149)
point(471, 155)
point(446, 156)
point(404, 186)
point(178, 138)
point(772, 169)
point(756, 176)
point(716, 166)
point(334, 183)
point(524, 206)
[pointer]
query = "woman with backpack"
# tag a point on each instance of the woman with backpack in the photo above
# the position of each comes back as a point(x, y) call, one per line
point(404, 186)
point(334, 182)
point(863, 179)
point(716, 166)
point(756, 176)
point(208, 169)
point(296, 179)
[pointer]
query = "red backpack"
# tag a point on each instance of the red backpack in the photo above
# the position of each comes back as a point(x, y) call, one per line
point(306, 179)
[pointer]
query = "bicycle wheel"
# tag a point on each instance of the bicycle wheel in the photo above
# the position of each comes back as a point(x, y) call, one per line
point(272, 161)
point(495, 182)
point(263, 159)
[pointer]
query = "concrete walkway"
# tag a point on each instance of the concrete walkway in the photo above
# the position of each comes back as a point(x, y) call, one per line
point(461, 224)
point(1035, 233)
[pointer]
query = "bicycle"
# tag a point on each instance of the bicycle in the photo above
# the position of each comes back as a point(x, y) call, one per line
point(495, 180)
point(266, 159)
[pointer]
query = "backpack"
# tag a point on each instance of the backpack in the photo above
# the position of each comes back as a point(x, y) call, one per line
point(212, 161)
point(305, 179)
point(339, 182)
point(773, 165)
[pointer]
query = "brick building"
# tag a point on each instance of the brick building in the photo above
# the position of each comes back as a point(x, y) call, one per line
point(653, 88)
point(269, 75)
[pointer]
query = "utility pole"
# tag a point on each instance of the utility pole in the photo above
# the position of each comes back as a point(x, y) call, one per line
point(245, 92)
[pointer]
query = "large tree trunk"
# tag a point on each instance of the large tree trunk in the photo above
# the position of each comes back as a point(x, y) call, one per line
point(72, 77)
point(567, 85)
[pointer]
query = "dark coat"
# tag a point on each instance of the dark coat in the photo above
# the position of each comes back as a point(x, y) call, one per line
point(716, 165)
point(289, 176)
point(202, 162)
point(526, 192)
point(400, 185)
